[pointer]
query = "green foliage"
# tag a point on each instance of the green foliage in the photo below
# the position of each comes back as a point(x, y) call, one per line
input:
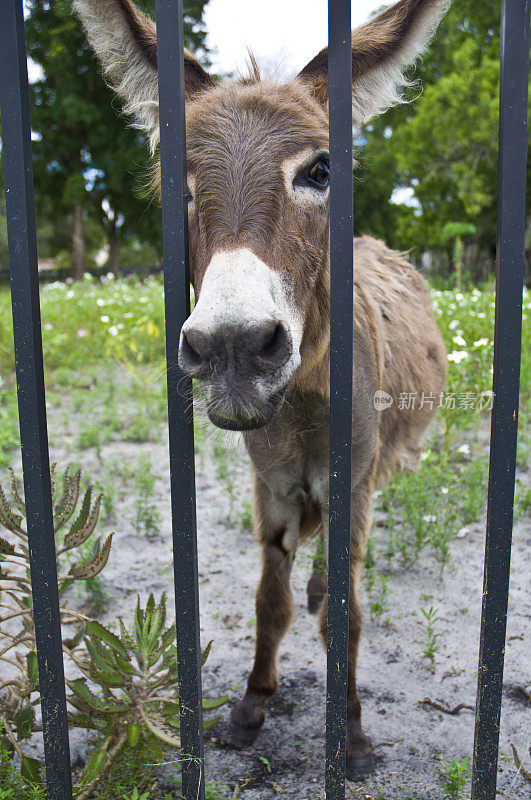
point(453, 778)
point(245, 515)
point(12, 785)
point(126, 693)
point(9, 437)
point(85, 153)
point(443, 145)
point(75, 520)
point(430, 637)
point(121, 320)
point(378, 590)
point(147, 516)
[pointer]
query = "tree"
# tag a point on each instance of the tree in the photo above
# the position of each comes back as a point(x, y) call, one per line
point(444, 145)
point(89, 163)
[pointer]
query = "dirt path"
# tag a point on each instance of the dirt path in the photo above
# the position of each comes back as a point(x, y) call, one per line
point(287, 758)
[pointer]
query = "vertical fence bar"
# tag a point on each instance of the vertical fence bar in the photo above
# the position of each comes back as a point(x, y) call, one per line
point(20, 208)
point(180, 410)
point(341, 365)
point(504, 427)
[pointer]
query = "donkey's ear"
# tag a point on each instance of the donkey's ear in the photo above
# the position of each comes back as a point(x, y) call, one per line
point(381, 50)
point(125, 41)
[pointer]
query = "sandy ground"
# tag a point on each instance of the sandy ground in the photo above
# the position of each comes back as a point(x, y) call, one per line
point(287, 759)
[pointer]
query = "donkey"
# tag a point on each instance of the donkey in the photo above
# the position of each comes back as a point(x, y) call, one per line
point(258, 339)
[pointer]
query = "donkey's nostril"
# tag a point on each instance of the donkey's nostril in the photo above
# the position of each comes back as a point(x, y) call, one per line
point(192, 352)
point(275, 346)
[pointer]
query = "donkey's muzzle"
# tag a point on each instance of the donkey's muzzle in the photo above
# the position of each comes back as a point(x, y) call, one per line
point(241, 369)
point(233, 353)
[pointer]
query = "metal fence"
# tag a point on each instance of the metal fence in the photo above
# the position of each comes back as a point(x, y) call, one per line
point(16, 148)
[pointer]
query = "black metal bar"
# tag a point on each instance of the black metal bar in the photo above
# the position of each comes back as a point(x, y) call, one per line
point(20, 207)
point(341, 365)
point(180, 410)
point(504, 427)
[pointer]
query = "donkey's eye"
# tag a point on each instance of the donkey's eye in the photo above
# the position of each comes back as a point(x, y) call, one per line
point(319, 174)
point(188, 196)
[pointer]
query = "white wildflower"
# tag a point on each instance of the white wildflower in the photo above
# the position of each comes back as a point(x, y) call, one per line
point(457, 356)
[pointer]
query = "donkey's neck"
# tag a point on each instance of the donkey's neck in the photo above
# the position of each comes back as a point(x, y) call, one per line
point(313, 374)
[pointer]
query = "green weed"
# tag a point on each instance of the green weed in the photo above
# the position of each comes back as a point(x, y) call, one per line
point(147, 516)
point(453, 777)
point(378, 593)
point(430, 637)
point(245, 515)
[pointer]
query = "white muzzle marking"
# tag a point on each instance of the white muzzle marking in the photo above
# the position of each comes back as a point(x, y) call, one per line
point(241, 291)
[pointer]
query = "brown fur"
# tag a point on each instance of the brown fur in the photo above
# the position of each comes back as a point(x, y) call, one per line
point(239, 136)
point(373, 44)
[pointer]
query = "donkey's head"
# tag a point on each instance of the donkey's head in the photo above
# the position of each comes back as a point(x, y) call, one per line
point(258, 188)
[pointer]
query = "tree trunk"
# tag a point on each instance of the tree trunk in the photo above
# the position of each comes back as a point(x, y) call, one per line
point(114, 249)
point(78, 243)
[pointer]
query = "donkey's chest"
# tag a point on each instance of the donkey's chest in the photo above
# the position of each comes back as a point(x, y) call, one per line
point(291, 455)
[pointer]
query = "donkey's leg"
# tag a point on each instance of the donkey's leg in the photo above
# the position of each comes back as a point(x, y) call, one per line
point(359, 746)
point(316, 587)
point(277, 530)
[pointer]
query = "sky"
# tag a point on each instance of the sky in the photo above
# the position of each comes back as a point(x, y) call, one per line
point(283, 34)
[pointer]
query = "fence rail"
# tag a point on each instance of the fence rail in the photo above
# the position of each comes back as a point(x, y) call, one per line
point(16, 150)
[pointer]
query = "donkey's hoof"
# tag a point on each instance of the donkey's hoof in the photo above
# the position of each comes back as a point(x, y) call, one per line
point(316, 589)
point(239, 738)
point(359, 766)
point(246, 719)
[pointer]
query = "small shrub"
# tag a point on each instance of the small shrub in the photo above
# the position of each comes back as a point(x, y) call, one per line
point(378, 591)
point(126, 692)
point(453, 778)
point(430, 637)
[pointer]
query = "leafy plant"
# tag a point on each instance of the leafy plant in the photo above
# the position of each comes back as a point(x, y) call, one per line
point(19, 694)
point(12, 785)
point(126, 692)
point(427, 626)
point(245, 515)
point(453, 777)
point(147, 515)
point(378, 591)
point(266, 762)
